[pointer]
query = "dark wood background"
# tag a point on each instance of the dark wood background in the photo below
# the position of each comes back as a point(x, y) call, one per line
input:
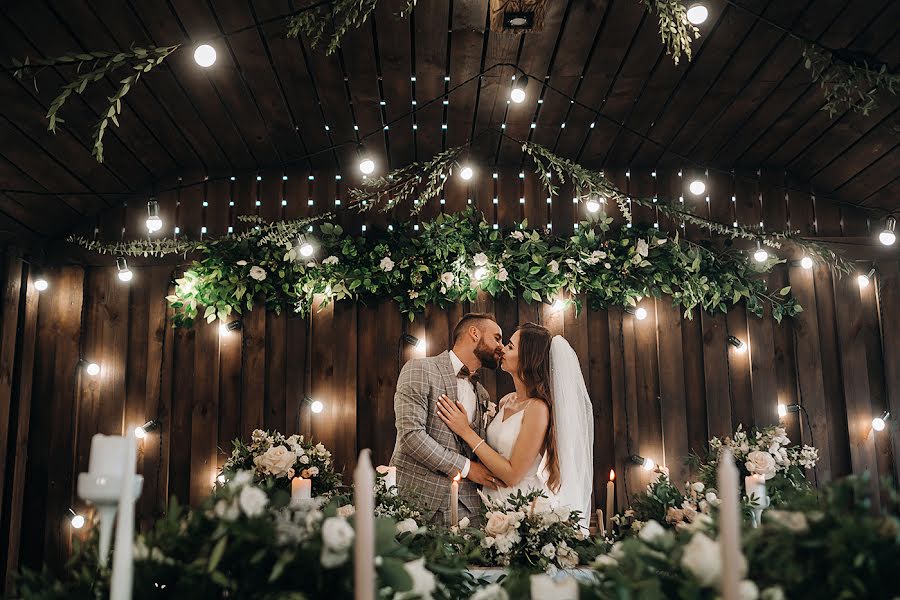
point(660, 387)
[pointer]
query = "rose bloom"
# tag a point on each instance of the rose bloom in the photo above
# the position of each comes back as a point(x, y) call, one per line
point(276, 461)
point(497, 524)
point(761, 463)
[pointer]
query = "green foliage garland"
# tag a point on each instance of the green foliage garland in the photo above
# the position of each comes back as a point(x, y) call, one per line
point(103, 63)
point(675, 31)
point(612, 267)
point(847, 86)
point(332, 20)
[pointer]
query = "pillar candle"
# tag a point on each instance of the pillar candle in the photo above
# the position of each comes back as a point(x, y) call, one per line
point(755, 486)
point(364, 550)
point(301, 488)
point(390, 480)
point(729, 525)
point(601, 524)
point(454, 500)
point(107, 455)
point(544, 587)
point(123, 563)
point(610, 498)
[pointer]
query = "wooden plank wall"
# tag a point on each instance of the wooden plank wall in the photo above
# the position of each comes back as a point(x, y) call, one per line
point(660, 386)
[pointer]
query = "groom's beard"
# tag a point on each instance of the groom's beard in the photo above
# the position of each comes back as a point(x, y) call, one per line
point(488, 358)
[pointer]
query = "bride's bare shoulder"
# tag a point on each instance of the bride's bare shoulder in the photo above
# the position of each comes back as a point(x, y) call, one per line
point(506, 399)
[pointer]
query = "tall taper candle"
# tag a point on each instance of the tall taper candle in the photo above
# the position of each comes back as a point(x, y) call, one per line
point(610, 497)
point(454, 500)
point(364, 552)
point(729, 525)
point(123, 564)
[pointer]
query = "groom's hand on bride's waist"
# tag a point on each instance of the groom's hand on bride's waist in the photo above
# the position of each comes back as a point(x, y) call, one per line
point(480, 475)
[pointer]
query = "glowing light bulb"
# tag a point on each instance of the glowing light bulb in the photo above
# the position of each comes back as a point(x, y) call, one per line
point(888, 237)
point(125, 273)
point(760, 255)
point(367, 166)
point(466, 172)
point(559, 304)
point(782, 410)
point(316, 407)
point(306, 248)
point(648, 464)
point(221, 478)
point(517, 93)
point(140, 433)
point(420, 345)
point(640, 313)
point(697, 14)
point(93, 369)
point(863, 281)
point(697, 187)
point(205, 55)
point(806, 262)
point(77, 522)
point(593, 205)
point(40, 284)
point(480, 273)
point(878, 424)
point(154, 224)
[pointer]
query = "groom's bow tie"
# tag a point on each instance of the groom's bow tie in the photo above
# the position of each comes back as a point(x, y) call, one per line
point(464, 373)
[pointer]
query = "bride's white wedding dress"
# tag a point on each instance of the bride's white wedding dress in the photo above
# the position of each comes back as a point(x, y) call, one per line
point(502, 434)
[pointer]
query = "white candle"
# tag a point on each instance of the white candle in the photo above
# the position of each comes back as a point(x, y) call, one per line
point(454, 500)
point(601, 526)
point(390, 480)
point(301, 488)
point(729, 525)
point(123, 565)
point(755, 486)
point(544, 587)
point(364, 550)
point(107, 455)
point(610, 498)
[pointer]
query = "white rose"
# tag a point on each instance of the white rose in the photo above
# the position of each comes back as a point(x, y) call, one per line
point(642, 248)
point(240, 479)
point(761, 463)
point(698, 487)
point(505, 543)
point(331, 260)
point(548, 551)
point(464, 522)
point(554, 266)
point(337, 534)
point(502, 274)
point(257, 273)
point(276, 461)
point(517, 235)
point(747, 590)
point(480, 259)
point(346, 511)
point(422, 579)
point(313, 471)
point(242, 263)
point(488, 542)
point(407, 526)
point(701, 558)
point(651, 531)
point(253, 501)
point(447, 278)
point(567, 558)
point(304, 459)
point(712, 498)
point(493, 591)
point(498, 524)
point(386, 264)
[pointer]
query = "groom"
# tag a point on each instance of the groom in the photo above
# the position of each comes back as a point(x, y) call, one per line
point(427, 454)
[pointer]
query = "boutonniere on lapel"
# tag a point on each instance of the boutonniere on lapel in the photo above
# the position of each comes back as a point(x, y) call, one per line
point(489, 411)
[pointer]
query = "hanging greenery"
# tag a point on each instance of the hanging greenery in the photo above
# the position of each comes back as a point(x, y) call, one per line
point(847, 86)
point(330, 21)
point(676, 32)
point(102, 64)
point(453, 257)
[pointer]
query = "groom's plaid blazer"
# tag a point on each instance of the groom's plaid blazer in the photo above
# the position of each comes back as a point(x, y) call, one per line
point(427, 454)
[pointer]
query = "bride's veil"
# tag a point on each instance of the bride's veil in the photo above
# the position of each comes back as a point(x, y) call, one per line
point(574, 422)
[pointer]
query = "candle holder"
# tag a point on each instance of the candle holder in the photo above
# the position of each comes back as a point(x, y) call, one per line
point(755, 486)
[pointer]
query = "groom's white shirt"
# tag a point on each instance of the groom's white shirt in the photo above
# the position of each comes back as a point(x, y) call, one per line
point(465, 391)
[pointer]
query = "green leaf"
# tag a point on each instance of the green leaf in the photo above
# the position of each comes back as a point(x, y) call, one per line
point(216, 555)
point(785, 291)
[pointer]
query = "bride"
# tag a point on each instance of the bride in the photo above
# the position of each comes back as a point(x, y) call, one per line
point(542, 437)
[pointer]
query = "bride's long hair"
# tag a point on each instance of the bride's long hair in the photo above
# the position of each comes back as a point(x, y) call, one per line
point(534, 371)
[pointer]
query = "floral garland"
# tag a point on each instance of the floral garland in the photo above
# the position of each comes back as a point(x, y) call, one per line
point(453, 257)
point(675, 31)
point(332, 21)
point(847, 86)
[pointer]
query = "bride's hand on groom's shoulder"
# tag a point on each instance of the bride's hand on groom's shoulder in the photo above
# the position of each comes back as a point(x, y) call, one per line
point(454, 415)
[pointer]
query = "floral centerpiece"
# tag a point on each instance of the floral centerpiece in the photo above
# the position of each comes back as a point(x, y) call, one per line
point(662, 502)
point(275, 459)
point(390, 503)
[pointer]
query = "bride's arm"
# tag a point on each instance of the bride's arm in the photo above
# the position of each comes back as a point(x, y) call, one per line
point(528, 444)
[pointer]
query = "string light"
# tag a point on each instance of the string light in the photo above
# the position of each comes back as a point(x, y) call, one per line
point(593, 204)
point(226, 328)
point(559, 304)
point(697, 14)
point(784, 409)
point(697, 187)
point(888, 237)
point(91, 368)
point(806, 262)
point(125, 273)
point(418, 344)
point(366, 163)
point(140, 432)
point(466, 172)
point(77, 520)
point(640, 313)
point(205, 55)
point(315, 406)
point(738, 344)
point(760, 255)
point(306, 248)
point(517, 94)
point(154, 223)
point(648, 464)
point(864, 279)
point(480, 273)
point(878, 423)
point(40, 284)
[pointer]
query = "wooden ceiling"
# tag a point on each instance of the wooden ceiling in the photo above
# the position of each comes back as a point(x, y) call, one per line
point(744, 102)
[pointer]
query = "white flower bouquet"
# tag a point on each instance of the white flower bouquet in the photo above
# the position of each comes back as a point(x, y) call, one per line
point(274, 460)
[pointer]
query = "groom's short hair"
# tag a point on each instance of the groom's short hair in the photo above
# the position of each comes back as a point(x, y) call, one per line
point(468, 320)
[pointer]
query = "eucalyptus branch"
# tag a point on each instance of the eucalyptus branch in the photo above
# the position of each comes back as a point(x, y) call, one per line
point(157, 248)
point(401, 185)
point(675, 30)
point(331, 22)
point(847, 86)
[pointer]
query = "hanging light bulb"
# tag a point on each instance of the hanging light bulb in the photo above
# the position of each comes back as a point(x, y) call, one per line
point(648, 464)
point(697, 14)
point(593, 204)
point(739, 345)
point(517, 94)
point(140, 431)
point(888, 237)
point(480, 273)
point(697, 187)
point(125, 273)
point(760, 255)
point(878, 423)
point(205, 55)
point(466, 172)
point(40, 284)
point(77, 520)
point(782, 411)
point(92, 369)
point(640, 313)
point(559, 304)
point(306, 248)
point(865, 279)
point(806, 262)
point(316, 406)
point(154, 223)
